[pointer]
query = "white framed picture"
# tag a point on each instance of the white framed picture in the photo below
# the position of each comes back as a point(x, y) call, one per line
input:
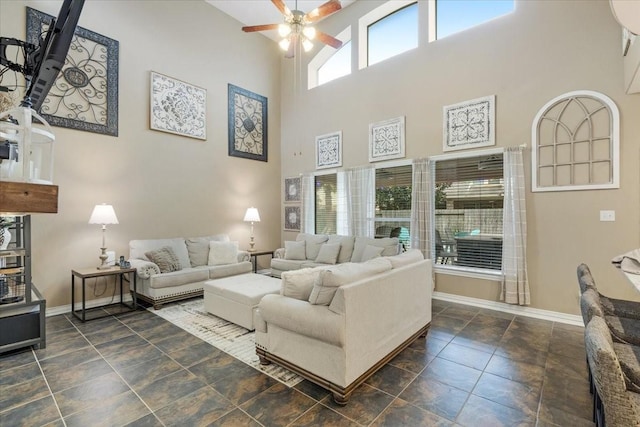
point(292, 189)
point(329, 150)
point(469, 124)
point(292, 218)
point(386, 140)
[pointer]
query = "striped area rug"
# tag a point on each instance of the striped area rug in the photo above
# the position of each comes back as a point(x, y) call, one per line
point(234, 340)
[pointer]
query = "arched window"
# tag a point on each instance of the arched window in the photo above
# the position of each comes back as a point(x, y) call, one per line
point(330, 64)
point(576, 139)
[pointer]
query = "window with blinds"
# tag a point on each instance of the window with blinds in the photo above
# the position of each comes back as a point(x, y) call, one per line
point(468, 200)
point(326, 206)
point(393, 203)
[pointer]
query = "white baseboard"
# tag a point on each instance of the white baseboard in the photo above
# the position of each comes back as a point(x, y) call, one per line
point(553, 316)
point(64, 309)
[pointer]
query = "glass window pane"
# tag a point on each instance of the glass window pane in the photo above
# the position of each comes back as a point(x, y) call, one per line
point(393, 34)
point(453, 16)
point(326, 203)
point(393, 203)
point(337, 66)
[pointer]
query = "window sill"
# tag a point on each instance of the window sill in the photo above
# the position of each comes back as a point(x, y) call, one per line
point(474, 273)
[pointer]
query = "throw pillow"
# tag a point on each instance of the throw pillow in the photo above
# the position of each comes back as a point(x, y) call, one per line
point(314, 242)
point(371, 252)
point(295, 250)
point(299, 283)
point(406, 258)
point(390, 245)
point(346, 246)
point(198, 248)
point(328, 253)
point(165, 258)
point(222, 253)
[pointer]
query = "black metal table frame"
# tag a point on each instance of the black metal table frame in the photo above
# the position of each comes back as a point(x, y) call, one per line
point(132, 307)
point(254, 258)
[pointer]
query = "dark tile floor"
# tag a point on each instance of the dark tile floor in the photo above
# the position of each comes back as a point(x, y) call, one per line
point(476, 368)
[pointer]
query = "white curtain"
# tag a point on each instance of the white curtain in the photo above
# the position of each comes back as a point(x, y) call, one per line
point(360, 192)
point(308, 204)
point(515, 285)
point(421, 199)
point(342, 218)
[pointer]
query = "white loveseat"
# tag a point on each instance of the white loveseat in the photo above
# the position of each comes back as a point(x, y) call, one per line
point(193, 266)
point(337, 326)
point(313, 250)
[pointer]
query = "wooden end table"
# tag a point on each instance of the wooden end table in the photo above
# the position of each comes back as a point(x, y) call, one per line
point(254, 257)
point(87, 273)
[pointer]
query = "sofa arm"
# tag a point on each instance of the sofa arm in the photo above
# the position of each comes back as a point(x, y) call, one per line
point(279, 253)
point(243, 256)
point(144, 269)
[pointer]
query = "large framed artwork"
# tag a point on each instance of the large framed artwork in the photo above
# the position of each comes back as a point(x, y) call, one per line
point(292, 189)
point(329, 150)
point(292, 218)
point(469, 124)
point(386, 140)
point(84, 96)
point(247, 124)
point(178, 107)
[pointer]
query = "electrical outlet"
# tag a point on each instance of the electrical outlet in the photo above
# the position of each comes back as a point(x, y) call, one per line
point(607, 215)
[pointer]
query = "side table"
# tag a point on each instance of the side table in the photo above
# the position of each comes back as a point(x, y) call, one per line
point(254, 258)
point(87, 273)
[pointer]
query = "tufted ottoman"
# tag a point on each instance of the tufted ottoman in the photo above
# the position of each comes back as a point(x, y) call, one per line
point(235, 298)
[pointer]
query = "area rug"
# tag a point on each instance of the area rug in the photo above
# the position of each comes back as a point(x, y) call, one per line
point(232, 339)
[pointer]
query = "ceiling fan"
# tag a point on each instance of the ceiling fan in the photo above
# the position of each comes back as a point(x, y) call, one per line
point(297, 27)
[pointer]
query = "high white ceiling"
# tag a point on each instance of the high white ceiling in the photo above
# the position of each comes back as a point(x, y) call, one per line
point(257, 12)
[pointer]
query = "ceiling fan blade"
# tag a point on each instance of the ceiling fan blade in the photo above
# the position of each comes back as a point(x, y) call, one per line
point(293, 46)
point(265, 27)
point(282, 7)
point(323, 10)
point(327, 39)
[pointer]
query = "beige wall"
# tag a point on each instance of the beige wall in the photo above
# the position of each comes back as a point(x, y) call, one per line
point(543, 49)
point(161, 185)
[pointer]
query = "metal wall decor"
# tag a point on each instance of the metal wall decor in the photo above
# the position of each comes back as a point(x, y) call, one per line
point(85, 93)
point(386, 140)
point(292, 189)
point(469, 124)
point(247, 124)
point(292, 218)
point(178, 107)
point(329, 150)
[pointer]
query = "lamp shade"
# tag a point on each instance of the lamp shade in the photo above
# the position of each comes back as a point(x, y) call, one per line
point(252, 215)
point(103, 214)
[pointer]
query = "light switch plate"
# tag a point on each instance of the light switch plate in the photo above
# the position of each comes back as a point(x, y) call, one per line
point(607, 215)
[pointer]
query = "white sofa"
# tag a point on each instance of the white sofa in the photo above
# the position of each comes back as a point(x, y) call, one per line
point(378, 309)
point(351, 249)
point(193, 269)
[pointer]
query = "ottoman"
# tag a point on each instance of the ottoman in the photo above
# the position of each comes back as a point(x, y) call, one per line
point(235, 298)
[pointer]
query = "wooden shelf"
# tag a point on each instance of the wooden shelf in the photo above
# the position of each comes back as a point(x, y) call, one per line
point(24, 198)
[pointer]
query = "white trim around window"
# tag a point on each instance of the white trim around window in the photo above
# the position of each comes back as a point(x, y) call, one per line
point(323, 56)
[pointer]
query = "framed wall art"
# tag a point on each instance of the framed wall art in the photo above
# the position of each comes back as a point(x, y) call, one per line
point(247, 124)
point(292, 189)
point(469, 124)
point(386, 140)
point(292, 218)
point(84, 96)
point(329, 150)
point(178, 107)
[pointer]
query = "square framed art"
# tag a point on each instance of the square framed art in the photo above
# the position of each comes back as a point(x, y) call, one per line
point(292, 218)
point(292, 189)
point(469, 124)
point(178, 107)
point(386, 140)
point(329, 150)
point(247, 124)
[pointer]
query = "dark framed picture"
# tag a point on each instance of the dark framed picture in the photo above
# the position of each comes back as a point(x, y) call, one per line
point(292, 189)
point(247, 124)
point(292, 218)
point(85, 93)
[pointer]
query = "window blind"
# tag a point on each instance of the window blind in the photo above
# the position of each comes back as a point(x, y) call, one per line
point(326, 190)
point(393, 203)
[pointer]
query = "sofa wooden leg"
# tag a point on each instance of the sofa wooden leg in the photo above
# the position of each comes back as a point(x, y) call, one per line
point(264, 361)
point(157, 306)
point(341, 399)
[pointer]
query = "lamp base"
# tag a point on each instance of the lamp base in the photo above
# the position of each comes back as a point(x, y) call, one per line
point(103, 257)
point(251, 245)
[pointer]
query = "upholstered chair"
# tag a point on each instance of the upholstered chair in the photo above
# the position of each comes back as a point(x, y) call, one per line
point(623, 329)
point(611, 306)
point(621, 406)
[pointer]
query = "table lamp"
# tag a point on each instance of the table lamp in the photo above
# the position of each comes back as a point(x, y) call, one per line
point(103, 214)
point(252, 216)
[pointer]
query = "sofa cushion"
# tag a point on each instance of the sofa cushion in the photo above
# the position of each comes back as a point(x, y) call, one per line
point(222, 253)
point(137, 249)
point(371, 252)
point(328, 253)
point(177, 278)
point(314, 242)
point(390, 245)
point(326, 284)
point(346, 246)
point(287, 264)
point(218, 271)
point(295, 250)
point(165, 258)
point(299, 283)
point(198, 248)
point(405, 258)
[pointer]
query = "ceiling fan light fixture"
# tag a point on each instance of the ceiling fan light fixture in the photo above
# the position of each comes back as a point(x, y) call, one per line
point(309, 32)
point(307, 45)
point(284, 30)
point(284, 44)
